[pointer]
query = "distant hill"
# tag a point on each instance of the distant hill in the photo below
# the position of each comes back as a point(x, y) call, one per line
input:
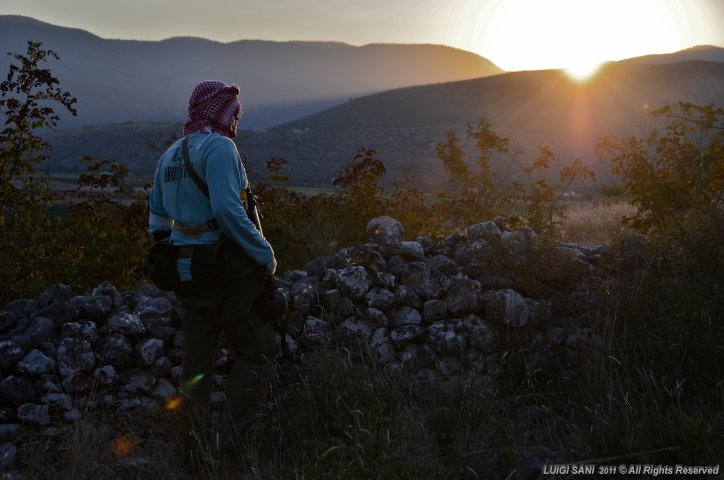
point(403, 125)
point(531, 108)
point(707, 53)
point(150, 81)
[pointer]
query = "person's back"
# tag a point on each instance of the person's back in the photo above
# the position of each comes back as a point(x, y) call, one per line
point(224, 263)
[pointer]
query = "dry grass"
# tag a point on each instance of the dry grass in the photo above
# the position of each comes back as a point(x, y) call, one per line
point(595, 221)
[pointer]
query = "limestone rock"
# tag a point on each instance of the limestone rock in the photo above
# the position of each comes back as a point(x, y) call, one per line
point(403, 336)
point(380, 298)
point(461, 296)
point(82, 331)
point(416, 357)
point(444, 264)
point(407, 316)
point(153, 323)
point(485, 230)
point(117, 350)
point(56, 293)
point(424, 280)
point(75, 356)
point(405, 296)
point(107, 376)
point(481, 251)
point(353, 282)
point(481, 335)
point(108, 290)
point(447, 337)
point(382, 344)
point(506, 306)
point(316, 333)
point(40, 330)
point(10, 354)
point(319, 266)
point(384, 280)
point(433, 310)
point(16, 390)
point(148, 351)
point(354, 335)
point(426, 242)
point(21, 307)
point(447, 245)
point(367, 256)
point(78, 384)
point(154, 308)
point(160, 367)
point(304, 295)
point(58, 401)
point(163, 390)
point(376, 317)
point(58, 312)
point(125, 323)
point(93, 308)
point(385, 231)
point(34, 414)
point(334, 302)
point(36, 363)
point(139, 379)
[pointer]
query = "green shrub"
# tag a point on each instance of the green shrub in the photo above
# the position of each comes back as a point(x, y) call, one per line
point(81, 238)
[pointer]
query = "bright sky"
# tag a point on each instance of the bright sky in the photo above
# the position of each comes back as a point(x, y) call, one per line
point(514, 34)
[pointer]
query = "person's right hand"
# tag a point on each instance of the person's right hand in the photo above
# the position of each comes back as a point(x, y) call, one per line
point(269, 269)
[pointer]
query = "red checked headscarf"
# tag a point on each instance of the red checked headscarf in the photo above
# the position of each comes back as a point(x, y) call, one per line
point(213, 104)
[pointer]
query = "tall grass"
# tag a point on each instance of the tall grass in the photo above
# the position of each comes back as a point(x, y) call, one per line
point(645, 386)
point(594, 221)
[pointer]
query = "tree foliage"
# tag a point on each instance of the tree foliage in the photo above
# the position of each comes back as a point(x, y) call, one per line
point(82, 237)
point(26, 97)
point(673, 174)
point(675, 178)
point(483, 193)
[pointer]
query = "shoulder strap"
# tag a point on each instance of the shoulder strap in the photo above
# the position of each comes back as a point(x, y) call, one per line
point(189, 168)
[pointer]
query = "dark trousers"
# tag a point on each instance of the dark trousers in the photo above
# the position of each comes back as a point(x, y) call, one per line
point(253, 341)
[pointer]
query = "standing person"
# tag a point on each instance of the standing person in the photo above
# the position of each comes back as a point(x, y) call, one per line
point(231, 267)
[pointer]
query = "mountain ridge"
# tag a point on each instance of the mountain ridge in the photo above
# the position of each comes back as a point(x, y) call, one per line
point(403, 125)
point(710, 53)
point(402, 121)
point(132, 80)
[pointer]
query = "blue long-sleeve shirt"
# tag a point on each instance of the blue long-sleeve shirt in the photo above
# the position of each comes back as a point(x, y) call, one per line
point(175, 197)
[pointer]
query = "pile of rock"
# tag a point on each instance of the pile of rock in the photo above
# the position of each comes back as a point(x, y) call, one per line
point(62, 354)
point(429, 309)
point(425, 308)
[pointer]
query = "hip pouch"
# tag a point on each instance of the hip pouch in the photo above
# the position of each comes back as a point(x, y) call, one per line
point(162, 263)
point(214, 265)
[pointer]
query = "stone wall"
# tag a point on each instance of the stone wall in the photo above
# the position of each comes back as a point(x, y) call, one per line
point(432, 310)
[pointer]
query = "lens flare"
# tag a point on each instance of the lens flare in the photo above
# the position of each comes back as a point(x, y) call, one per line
point(191, 384)
point(123, 446)
point(173, 404)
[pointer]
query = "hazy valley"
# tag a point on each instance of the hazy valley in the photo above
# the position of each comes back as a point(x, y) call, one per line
point(150, 81)
point(132, 93)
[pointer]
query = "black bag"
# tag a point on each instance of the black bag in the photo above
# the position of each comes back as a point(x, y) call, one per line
point(162, 263)
point(214, 265)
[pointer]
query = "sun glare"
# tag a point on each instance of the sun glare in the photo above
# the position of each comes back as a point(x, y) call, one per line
point(574, 35)
point(583, 71)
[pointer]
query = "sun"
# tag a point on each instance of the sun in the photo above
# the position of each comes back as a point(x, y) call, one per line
point(583, 70)
point(573, 35)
